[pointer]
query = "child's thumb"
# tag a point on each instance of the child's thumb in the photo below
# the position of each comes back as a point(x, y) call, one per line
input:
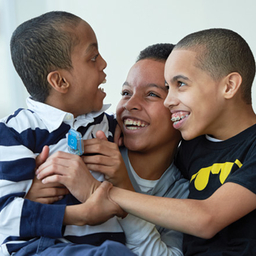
point(41, 158)
point(101, 135)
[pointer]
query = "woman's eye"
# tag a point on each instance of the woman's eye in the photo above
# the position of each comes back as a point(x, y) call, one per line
point(95, 57)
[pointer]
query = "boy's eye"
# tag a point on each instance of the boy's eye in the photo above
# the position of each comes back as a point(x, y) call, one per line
point(166, 85)
point(152, 94)
point(180, 84)
point(95, 57)
point(125, 93)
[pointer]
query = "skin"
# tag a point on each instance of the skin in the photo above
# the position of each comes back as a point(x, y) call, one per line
point(76, 90)
point(213, 107)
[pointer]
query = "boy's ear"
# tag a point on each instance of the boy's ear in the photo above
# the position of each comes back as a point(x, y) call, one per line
point(58, 82)
point(232, 84)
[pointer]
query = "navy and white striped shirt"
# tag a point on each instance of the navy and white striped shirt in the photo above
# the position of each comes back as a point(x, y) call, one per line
point(22, 137)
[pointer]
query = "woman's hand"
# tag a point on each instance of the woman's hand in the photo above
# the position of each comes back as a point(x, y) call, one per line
point(104, 157)
point(71, 171)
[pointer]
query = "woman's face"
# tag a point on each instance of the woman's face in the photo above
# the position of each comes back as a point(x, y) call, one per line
point(145, 121)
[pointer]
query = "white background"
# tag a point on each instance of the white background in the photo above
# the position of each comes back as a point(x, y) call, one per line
point(123, 28)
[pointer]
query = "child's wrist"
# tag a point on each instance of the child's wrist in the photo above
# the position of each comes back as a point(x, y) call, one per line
point(120, 212)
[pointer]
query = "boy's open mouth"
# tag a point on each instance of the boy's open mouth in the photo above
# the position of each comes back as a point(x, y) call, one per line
point(178, 116)
point(103, 82)
point(133, 124)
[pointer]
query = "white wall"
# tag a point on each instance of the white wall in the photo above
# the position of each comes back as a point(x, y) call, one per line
point(123, 28)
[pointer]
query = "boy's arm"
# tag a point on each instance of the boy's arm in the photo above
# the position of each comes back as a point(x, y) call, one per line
point(202, 218)
point(21, 217)
point(24, 218)
point(90, 212)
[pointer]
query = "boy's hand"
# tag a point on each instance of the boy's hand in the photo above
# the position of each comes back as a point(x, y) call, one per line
point(104, 157)
point(71, 171)
point(96, 210)
point(45, 193)
point(118, 138)
point(41, 158)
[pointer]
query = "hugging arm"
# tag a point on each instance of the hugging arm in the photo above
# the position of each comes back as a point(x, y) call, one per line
point(202, 218)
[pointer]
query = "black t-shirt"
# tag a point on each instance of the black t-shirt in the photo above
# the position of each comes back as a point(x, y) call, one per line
point(208, 165)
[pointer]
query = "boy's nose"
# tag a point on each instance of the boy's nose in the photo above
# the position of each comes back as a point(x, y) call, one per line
point(133, 104)
point(170, 100)
point(103, 63)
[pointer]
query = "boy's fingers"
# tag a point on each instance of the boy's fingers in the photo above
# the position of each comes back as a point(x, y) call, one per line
point(117, 135)
point(101, 135)
point(41, 158)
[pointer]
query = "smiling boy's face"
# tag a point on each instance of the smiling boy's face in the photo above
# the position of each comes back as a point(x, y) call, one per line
point(195, 100)
point(144, 120)
point(87, 73)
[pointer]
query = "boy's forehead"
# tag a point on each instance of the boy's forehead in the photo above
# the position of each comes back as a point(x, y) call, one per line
point(92, 47)
point(86, 37)
point(179, 61)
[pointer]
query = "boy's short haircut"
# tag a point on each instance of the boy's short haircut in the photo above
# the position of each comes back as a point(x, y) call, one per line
point(158, 52)
point(41, 45)
point(221, 52)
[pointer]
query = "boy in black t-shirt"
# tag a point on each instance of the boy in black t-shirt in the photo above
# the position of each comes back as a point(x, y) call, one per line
point(210, 75)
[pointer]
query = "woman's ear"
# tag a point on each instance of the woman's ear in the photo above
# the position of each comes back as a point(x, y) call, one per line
point(58, 82)
point(232, 84)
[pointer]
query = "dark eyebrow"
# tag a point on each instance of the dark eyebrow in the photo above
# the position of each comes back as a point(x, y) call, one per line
point(163, 88)
point(126, 83)
point(91, 47)
point(178, 77)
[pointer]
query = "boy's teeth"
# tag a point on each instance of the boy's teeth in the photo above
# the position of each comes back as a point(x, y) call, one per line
point(133, 124)
point(177, 117)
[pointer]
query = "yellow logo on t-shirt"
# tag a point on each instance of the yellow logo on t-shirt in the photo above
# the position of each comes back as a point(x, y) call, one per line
point(202, 176)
